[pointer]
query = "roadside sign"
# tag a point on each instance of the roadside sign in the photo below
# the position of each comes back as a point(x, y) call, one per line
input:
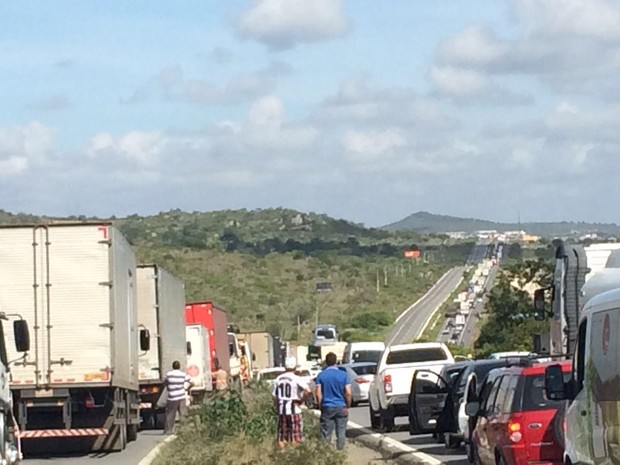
point(412, 254)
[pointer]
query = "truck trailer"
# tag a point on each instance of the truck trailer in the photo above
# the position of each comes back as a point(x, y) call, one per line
point(75, 284)
point(161, 300)
point(223, 345)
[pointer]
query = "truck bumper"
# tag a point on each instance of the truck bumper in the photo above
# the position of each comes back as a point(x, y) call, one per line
point(399, 404)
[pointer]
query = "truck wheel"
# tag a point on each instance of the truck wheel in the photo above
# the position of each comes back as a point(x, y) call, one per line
point(451, 442)
point(132, 432)
point(375, 418)
point(387, 420)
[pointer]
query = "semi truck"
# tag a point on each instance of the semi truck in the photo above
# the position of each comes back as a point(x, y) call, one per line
point(262, 350)
point(161, 300)
point(223, 345)
point(75, 285)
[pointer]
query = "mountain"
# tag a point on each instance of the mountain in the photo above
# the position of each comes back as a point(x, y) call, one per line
point(425, 222)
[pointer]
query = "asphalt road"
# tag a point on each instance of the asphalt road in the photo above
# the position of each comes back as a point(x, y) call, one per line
point(423, 443)
point(469, 330)
point(412, 321)
point(132, 455)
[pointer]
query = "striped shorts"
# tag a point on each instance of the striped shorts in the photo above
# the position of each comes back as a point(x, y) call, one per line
point(290, 428)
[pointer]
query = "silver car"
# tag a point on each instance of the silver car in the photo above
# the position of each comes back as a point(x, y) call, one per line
point(360, 376)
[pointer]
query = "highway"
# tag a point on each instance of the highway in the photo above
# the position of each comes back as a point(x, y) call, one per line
point(132, 455)
point(411, 323)
point(424, 443)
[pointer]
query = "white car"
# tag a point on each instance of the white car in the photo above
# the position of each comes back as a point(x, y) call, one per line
point(360, 376)
point(269, 375)
point(391, 386)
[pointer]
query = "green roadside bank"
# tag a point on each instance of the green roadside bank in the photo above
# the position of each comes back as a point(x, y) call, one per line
point(240, 429)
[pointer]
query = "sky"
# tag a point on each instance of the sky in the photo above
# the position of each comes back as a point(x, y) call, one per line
point(360, 109)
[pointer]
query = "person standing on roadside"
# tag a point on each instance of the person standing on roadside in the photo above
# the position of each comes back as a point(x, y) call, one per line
point(289, 391)
point(177, 383)
point(333, 396)
point(220, 377)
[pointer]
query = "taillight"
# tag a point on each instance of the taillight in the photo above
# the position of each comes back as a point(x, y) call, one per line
point(361, 380)
point(514, 428)
point(387, 383)
point(90, 401)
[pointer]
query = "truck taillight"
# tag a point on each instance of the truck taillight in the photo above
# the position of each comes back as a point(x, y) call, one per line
point(514, 428)
point(90, 401)
point(387, 383)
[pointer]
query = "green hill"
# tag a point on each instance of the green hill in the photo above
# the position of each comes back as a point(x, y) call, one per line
point(424, 222)
point(262, 266)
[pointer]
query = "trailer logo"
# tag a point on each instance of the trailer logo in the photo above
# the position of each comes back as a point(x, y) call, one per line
point(606, 333)
point(192, 371)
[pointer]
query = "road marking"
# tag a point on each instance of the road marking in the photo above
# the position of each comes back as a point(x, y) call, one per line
point(383, 439)
point(427, 296)
point(155, 452)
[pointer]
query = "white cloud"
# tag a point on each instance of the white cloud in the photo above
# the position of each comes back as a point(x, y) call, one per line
point(282, 24)
point(142, 149)
point(458, 82)
point(476, 45)
point(22, 147)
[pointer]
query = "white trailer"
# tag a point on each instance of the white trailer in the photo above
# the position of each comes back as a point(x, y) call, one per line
point(161, 312)
point(199, 360)
point(75, 284)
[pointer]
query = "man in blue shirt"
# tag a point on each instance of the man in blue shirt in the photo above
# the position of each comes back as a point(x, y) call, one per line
point(333, 395)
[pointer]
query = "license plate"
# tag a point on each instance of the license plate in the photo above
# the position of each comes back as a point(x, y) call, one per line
point(44, 393)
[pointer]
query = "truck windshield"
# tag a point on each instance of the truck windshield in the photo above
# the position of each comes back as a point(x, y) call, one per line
point(431, 354)
point(366, 356)
point(325, 334)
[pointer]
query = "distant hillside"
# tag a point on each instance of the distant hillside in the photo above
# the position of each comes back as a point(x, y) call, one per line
point(424, 222)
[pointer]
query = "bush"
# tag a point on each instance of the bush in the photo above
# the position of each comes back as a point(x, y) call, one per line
point(240, 430)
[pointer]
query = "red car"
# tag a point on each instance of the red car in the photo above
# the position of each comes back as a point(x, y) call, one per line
point(515, 424)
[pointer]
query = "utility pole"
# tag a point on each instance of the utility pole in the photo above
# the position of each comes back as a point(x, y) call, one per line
point(385, 276)
point(378, 286)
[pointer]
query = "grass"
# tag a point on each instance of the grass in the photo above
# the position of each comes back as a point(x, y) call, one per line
point(236, 430)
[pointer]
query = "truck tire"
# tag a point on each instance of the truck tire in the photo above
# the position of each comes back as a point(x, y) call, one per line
point(375, 418)
point(132, 432)
point(387, 419)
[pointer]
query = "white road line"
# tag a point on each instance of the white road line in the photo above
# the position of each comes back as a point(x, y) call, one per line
point(421, 456)
point(155, 452)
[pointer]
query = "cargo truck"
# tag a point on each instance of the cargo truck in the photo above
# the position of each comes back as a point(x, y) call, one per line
point(261, 346)
point(161, 300)
point(75, 284)
point(223, 345)
point(199, 361)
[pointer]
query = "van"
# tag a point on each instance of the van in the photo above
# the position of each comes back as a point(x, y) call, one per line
point(592, 418)
point(357, 352)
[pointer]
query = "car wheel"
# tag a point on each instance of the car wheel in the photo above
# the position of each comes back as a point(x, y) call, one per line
point(375, 422)
point(451, 442)
point(439, 437)
point(387, 420)
point(499, 459)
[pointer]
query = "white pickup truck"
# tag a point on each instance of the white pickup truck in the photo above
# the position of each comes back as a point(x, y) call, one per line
point(389, 392)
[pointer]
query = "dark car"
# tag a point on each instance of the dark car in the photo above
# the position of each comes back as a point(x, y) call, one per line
point(437, 405)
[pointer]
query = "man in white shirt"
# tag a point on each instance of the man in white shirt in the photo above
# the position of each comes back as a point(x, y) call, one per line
point(177, 384)
point(288, 393)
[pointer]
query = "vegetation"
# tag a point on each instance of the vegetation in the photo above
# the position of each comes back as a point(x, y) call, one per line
point(263, 266)
point(510, 322)
point(235, 430)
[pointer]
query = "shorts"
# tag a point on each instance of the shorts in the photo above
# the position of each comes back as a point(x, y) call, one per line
point(290, 428)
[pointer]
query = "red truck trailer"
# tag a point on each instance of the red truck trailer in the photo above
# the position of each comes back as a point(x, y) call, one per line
point(222, 344)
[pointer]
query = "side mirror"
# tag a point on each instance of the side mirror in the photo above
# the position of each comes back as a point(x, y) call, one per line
point(189, 348)
point(555, 387)
point(145, 340)
point(22, 335)
point(472, 409)
point(540, 313)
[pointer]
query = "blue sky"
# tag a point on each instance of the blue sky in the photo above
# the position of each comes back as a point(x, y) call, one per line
point(361, 109)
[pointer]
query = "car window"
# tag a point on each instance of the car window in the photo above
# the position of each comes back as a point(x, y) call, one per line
point(366, 356)
point(365, 369)
point(534, 394)
point(511, 387)
point(502, 391)
point(430, 354)
point(489, 400)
